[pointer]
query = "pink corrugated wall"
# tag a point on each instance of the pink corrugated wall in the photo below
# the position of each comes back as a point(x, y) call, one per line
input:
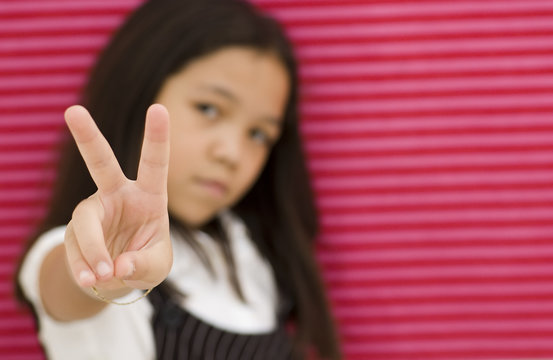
point(429, 130)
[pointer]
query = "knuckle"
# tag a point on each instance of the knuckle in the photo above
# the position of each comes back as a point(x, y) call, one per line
point(168, 265)
point(79, 209)
point(76, 265)
point(68, 235)
point(100, 162)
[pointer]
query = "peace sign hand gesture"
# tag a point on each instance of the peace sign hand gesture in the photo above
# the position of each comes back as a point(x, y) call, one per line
point(119, 236)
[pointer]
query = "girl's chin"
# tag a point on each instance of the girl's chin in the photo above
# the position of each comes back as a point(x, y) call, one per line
point(193, 220)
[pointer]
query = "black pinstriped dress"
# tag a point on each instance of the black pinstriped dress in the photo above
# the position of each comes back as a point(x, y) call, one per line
point(180, 335)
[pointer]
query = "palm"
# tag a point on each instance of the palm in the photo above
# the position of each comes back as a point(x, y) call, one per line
point(128, 214)
point(124, 225)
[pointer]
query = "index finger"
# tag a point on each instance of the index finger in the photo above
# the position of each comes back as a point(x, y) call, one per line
point(94, 149)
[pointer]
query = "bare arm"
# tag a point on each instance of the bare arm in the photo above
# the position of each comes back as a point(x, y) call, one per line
point(62, 297)
point(118, 238)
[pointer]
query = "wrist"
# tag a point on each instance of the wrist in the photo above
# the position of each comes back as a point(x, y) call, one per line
point(112, 300)
point(107, 294)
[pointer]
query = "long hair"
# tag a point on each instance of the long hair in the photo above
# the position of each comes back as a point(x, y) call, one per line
point(160, 38)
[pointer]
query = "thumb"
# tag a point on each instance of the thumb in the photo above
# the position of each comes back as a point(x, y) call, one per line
point(147, 267)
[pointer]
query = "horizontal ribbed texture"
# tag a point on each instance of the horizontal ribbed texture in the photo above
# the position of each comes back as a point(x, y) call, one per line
point(46, 49)
point(429, 132)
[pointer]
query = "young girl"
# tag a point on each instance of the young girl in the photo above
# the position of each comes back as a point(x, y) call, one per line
point(207, 254)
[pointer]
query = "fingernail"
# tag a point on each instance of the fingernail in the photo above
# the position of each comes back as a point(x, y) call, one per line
point(86, 277)
point(103, 269)
point(131, 271)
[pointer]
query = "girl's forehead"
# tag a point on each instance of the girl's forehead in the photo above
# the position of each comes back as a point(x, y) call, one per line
point(237, 63)
point(238, 74)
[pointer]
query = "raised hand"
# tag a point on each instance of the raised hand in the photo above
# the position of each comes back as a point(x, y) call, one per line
point(119, 236)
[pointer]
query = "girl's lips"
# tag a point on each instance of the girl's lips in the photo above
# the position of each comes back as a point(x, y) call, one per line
point(214, 187)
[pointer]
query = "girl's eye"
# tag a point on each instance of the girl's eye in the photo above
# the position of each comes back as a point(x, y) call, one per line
point(210, 111)
point(261, 137)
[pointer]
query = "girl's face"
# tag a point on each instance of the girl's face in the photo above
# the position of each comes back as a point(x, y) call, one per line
point(226, 111)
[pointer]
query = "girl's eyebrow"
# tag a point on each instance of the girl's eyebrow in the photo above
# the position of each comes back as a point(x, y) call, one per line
point(220, 90)
point(272, 121)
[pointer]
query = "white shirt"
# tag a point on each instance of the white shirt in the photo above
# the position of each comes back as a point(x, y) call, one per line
point(125, 332)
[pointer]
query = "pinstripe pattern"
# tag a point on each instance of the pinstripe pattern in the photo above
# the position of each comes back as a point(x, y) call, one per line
point(199, 340)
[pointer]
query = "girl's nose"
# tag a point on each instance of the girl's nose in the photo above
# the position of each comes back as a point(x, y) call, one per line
point(228, 147)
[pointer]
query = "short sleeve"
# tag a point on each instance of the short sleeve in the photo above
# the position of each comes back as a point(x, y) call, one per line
point(117, 332)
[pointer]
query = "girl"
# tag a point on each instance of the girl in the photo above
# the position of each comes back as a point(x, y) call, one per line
point(216, 237)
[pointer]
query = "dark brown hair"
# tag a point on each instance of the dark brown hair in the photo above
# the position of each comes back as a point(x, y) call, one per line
point(157, 40)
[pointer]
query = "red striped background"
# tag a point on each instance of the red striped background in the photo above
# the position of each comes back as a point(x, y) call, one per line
point(429, 130)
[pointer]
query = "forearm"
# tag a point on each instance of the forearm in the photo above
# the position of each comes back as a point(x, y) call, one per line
point(61, 297)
